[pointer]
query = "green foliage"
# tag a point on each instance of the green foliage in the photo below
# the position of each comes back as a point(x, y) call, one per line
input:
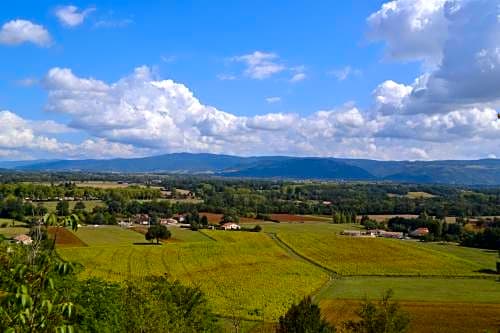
point(304, 317)
point(98, 306)
point(62, 208)
point(79, 207)
point(384, 317)
point(157, 232)
point(40, 293)
point(32, 302)
point(489, 238)
point(158, 305)
point(343, 217)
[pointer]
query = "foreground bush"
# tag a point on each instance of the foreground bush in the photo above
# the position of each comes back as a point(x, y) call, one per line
point(40, 293)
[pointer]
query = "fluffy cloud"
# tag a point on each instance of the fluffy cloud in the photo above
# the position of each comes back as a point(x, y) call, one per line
point(411, 29)
point(70, 16)
point(17, 32)
point(157, 116)
point(462, 40)
point(22, 138)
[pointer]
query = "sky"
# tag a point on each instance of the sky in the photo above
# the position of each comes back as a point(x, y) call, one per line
point(385, 80)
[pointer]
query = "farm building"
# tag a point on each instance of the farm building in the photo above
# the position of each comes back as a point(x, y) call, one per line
point(419, 232)
point(230, 226)
point(359, 233)
point(168, 221)
point(391, 234)
point(141, 219)
point(23, 239)
point(125, 224)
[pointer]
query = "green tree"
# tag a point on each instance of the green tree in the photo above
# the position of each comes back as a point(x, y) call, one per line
point(62, 208)
point(157, 232)
point(304, 317)
point(384, 317)
point(204, 221)
point(29, 283)
point(79, 207)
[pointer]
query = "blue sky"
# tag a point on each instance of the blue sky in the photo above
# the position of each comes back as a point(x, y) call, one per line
point(328, 78)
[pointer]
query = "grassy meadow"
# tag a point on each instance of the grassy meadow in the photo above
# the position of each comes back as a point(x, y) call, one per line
point(11, 228)
point(244, 274)
point(415, 289)
point(350, 256)
point(256, 276)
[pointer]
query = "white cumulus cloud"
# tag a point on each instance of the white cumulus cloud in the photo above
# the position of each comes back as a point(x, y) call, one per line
point(71, 16)
point(17, 32)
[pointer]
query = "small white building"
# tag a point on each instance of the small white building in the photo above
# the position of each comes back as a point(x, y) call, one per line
point(23, 239)
point(169, 221)
point(125, 224)
point(230, 226)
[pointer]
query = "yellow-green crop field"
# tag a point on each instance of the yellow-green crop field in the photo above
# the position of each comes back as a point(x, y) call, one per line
point(256, 276)
point(347, 256)
point(244, 274)
point(11, 228)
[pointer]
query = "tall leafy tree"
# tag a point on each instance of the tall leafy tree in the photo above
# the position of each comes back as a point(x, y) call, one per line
point(386, 316)
point(304, 317)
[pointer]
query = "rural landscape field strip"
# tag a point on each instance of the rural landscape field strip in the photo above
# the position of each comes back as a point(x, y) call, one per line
point(426, 289)
point(256, 276)
point(262, 278)
point(350, 256)
point(426, 317)
point(292, 251)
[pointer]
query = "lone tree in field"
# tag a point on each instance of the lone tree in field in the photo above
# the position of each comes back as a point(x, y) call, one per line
point(304, 317)
point(157, 232)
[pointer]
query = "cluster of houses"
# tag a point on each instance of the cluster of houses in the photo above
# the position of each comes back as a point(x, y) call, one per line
point(145, 219)
point(176, 221)
point(417, 233)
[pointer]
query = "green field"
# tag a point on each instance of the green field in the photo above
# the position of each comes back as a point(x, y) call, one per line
point(12, 231)
point(108, 236)
point(415, 289)
point(347, 256)
point(242, 273)
point(89, 204)
point(257, 276)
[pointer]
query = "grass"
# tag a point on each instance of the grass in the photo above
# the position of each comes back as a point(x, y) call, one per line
point(298, 218)
point(251, 276)
point(179, 234)
point(419, 195)
point(415, 289)
point(440, 317)
point(376, 256)
point(12, 231)
point(244, 274)
point(89, 205)
point(108, 236)
point(110, 185)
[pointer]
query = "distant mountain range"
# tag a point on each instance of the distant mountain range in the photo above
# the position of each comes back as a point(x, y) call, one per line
point(477, 172)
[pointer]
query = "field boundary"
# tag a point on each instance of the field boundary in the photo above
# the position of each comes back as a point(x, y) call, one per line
point(274, 236)
point(335, 274)
point(208, 236)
